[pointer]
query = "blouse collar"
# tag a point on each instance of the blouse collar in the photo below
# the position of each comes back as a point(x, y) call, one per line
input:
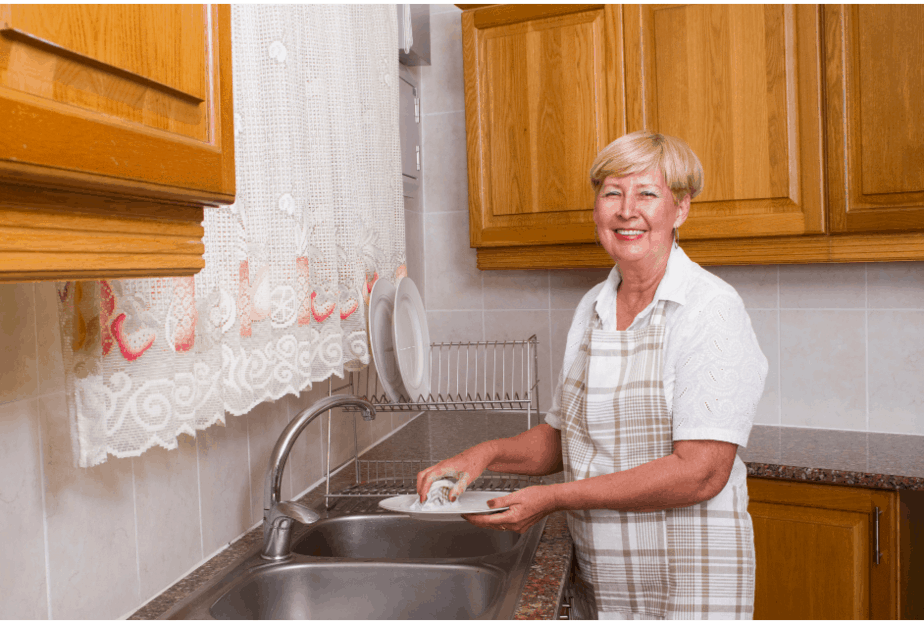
point(673, 286)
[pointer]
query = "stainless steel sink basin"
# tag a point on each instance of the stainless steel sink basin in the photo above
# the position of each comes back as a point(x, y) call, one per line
point(362, 591)
point(374, 567)
point(392, 537)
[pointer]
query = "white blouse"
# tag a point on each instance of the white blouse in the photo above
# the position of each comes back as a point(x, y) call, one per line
point(714, 370)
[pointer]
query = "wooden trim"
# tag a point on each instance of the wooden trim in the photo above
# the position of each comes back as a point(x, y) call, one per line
point(771, 250)
point(224, 96)
point(473, 124)
point(504, 14)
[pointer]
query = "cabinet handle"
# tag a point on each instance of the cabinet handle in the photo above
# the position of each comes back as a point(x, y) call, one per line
point(877, 555)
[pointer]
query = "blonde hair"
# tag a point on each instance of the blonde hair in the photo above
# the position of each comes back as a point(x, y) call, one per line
point(644, 150)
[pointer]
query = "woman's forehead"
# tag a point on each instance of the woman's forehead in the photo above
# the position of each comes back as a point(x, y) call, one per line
point(651, 177)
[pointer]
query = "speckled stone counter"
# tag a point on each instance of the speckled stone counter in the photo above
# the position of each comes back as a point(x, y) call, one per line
point(810, 455)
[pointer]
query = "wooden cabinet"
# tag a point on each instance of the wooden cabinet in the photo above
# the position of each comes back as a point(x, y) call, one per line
point(115, 131)
point(807, 121)
point(742, 85)
point(543, 94)
point(817, 546)
point(875, 116)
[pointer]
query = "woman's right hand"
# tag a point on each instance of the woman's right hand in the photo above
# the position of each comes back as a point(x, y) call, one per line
point(464, 468)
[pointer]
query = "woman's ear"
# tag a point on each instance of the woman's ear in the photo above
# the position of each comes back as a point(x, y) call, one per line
point(683, 211)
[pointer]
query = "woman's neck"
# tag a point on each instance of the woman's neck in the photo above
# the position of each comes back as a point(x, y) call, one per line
point(639, 283)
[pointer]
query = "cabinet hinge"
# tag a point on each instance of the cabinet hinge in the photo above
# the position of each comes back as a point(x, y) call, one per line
point(418, 157)
point(416, 107)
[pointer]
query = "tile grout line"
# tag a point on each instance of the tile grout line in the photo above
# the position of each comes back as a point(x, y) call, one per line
point(779, 366)
point(135, 513)
point(199, 491)
point(44, 511)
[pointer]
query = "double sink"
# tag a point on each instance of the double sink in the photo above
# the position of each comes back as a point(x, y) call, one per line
point(376, 566)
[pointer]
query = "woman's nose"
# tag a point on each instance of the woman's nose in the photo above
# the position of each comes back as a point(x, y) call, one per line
point(626, 208)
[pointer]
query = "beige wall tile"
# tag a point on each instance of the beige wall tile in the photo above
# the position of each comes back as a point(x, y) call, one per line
point(342, 440)
point(23, 588)
point(756, 285)
point(92, 557)
point(895, 285)
point(443, 88)
point(896, 372)
point(224, 477)
point(414, 249)
point(568, 287)
point(18, 370)
point(516, 289)
point(766, 327)
point(167, 507)
point(823, 369)
point(558, 331)
point(823, 286)
point(444, 160)
point(453, 278)
point(48, 332)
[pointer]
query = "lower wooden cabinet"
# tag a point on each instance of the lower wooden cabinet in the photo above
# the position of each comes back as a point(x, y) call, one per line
point(836, 552)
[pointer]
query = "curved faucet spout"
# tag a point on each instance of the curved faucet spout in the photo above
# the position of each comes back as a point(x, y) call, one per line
point(276, 533)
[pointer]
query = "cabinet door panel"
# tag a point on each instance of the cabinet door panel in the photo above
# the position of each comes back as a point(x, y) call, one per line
point(740, 84)
point(540, 104)
point(826, 557)
point(875, 116)
point(118, 97)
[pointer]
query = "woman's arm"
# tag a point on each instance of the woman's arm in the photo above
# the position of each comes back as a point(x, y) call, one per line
point(695, 472)
point(536, 452)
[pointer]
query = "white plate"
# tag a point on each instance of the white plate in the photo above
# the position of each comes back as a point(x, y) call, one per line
point(412, 340)
point(470, 503)
point(382, 338)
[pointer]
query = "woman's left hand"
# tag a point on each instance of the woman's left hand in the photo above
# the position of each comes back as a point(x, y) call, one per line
point(527, 506)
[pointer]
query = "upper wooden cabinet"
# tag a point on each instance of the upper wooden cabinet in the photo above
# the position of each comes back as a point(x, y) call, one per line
point(875, 116)
point(741, 85)
point(115, 131)
point(543, 94)
point(807, 120)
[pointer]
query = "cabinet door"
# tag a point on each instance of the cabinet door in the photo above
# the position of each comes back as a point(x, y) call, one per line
point(130, 99)
point(874, 62)
point(815, 547)
point(740, 84)
point(543, 94)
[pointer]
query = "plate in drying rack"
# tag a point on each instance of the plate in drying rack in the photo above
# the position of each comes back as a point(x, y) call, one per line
point(382, 338)
point(412, 340)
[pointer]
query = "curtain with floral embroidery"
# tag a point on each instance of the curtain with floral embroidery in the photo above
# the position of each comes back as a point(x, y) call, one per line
point(281, 302)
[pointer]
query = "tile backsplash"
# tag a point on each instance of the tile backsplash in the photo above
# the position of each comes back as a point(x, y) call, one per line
point(98, 543)
point(845, 345)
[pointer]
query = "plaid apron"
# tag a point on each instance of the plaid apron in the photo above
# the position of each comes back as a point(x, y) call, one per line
point(695, 562)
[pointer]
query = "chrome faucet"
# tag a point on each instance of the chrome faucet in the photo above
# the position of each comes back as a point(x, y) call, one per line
point(279, 517)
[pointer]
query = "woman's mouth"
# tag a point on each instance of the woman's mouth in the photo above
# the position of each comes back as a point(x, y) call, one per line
point(628, 234)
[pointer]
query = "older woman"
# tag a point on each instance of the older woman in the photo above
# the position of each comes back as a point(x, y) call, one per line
point(661, 377)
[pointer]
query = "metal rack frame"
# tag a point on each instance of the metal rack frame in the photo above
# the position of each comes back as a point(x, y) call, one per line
point(464, 376)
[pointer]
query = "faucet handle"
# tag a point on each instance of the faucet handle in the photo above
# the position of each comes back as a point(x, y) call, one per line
point(297, 511)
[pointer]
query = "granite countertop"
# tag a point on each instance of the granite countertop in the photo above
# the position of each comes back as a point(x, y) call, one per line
point(437, 435)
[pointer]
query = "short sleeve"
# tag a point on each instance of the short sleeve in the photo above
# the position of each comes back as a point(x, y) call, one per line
point(720, 373)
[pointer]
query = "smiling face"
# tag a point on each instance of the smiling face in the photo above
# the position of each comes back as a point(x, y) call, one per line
point(635, 217)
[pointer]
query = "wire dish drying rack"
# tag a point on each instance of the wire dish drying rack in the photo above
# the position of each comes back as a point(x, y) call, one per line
point(464, 376)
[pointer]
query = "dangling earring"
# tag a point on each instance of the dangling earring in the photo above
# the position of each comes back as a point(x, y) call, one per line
point(677, 237)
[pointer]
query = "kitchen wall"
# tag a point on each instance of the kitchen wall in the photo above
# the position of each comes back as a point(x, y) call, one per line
point(98, 543)
point(845, 342)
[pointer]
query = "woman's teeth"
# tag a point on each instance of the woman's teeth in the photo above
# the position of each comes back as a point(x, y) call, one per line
point(629, 232)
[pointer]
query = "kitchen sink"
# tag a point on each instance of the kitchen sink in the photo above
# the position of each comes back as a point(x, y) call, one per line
point(362, 591)
point(395, 536)
point(374, 566)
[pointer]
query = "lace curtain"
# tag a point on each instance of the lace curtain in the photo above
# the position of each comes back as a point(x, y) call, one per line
point(281, 302)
